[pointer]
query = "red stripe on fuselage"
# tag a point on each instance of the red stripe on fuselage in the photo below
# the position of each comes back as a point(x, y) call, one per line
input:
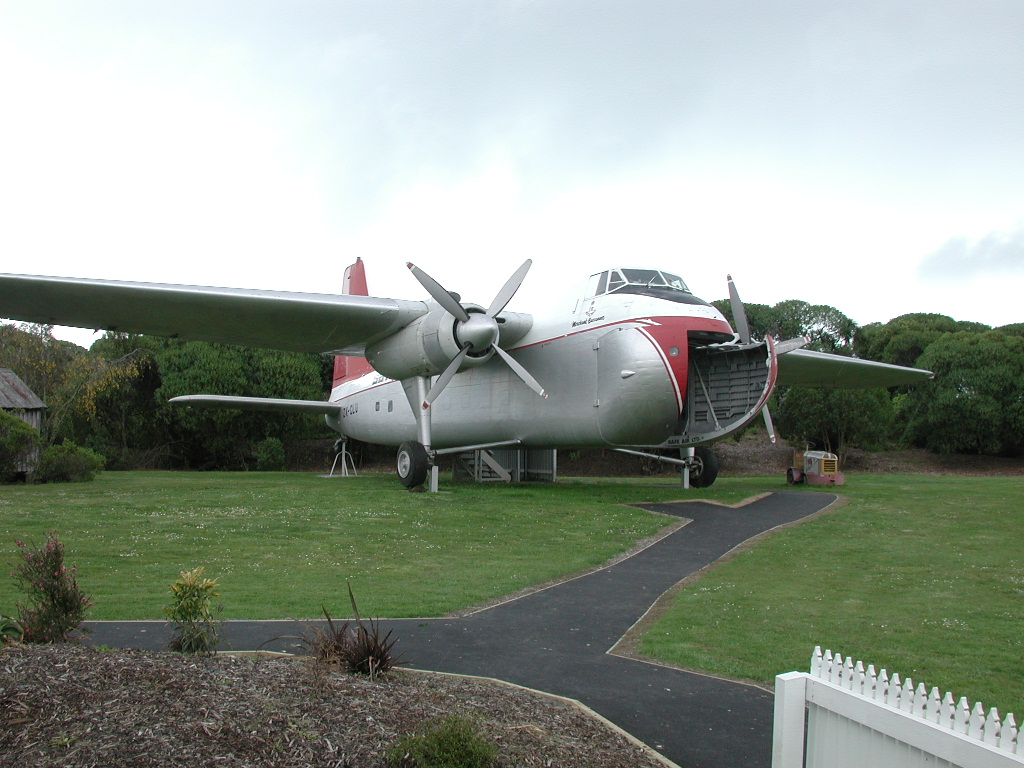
point(670, 338)
point(665, 332)
point(691, 324)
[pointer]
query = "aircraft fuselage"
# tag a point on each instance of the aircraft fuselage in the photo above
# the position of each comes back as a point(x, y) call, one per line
point(615, 368)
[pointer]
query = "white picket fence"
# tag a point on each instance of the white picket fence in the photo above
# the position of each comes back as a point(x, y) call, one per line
point(841, 715)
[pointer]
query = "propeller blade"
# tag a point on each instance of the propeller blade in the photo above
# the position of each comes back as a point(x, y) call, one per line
point(782, 347)
point(509, 289)
point(446, 375)
point(521, 372)
point(768, 423)
point(739, 314)
point(438, 293)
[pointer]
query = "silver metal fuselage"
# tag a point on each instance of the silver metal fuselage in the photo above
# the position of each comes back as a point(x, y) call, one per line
point(615, 368)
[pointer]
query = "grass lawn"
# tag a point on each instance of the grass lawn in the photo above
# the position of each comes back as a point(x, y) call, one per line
point(283, 544)
point(921, 575)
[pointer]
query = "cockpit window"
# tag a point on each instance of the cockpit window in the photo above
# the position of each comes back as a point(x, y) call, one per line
point(653, 278)
point(597, 284)
point(645, 282)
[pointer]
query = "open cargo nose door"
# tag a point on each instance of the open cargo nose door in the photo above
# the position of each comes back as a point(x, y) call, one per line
point(726, 390)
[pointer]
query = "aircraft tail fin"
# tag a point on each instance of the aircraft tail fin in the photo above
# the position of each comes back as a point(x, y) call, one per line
point(353, 284)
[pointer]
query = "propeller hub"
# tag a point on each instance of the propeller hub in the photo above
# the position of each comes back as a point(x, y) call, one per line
point(479, 331)
point(476, 331)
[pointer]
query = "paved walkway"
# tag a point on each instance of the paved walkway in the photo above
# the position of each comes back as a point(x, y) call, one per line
point(557, 640)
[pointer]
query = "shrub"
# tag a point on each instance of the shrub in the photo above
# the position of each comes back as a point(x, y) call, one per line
point(16, 439)
point(448, 742)
point(10, 631)
point(358, 649)
point(68, 463)
point(196, 630)
point(269, 455)
point(329, 645)
point(57, 605)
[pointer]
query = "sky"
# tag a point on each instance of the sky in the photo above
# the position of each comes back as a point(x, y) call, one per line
point(867, 155)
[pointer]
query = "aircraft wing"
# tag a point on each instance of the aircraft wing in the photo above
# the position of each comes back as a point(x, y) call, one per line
point(807, 368)
point(297, 322)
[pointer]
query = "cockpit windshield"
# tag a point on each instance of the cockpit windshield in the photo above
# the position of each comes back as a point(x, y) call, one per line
point(646, 282)
point(648, 278)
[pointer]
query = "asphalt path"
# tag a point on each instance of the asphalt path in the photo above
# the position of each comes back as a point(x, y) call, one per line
point(560, 639)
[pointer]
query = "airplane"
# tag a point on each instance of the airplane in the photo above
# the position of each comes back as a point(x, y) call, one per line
point(633, 362)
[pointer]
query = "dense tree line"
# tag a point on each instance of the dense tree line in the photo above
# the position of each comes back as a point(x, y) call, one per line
point(975, 403)
point(113, 397)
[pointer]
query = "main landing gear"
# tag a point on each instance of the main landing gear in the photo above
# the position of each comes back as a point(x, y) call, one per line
point(413, 464)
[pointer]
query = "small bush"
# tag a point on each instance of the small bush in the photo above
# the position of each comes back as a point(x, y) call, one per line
point(329, 645)
point(68, 463)
point(17, 439)
point(196, 630)
point(10, 631)
point(448, 742)
point(269, 455)
point(358, 649)
point(57, 605)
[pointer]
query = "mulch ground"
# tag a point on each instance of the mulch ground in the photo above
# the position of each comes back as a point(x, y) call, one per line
point(76, 706)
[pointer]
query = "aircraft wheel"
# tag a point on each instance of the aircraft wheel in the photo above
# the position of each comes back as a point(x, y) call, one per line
point(413, 464)
point(705, 470)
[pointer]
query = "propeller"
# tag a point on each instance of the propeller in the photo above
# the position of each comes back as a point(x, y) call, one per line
point(476, 331)
point(739, 317)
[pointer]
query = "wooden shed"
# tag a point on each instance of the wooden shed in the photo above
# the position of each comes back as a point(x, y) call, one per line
point(16, 397)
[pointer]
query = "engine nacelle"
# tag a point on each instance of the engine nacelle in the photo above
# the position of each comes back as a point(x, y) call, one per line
point(426, 346)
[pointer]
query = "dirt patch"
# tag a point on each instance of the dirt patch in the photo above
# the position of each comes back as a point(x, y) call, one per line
point(754, 455)
point(74, 706)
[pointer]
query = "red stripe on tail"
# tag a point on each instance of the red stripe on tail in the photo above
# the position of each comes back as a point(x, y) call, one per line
point(353, 284)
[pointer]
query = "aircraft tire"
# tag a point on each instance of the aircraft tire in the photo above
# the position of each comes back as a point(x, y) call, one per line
point(413, 464)
point(706, 471)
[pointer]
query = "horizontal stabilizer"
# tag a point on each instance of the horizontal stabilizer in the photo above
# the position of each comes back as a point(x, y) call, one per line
point(275, 404)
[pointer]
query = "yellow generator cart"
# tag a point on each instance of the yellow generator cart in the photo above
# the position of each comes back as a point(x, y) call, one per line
point(815, 468)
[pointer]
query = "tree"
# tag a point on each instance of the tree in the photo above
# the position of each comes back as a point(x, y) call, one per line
point(125, 426)
point(1013, 329)
point(66, 377)
point(828, 329)
point(834, 419)
point(17, 439)
point(136, 426)
point(227, 438)
point(904, 339)
point(975, 404)
point(760, 317)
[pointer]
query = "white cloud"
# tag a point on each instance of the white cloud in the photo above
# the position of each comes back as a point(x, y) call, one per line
point(997, 253)
point(817, 150)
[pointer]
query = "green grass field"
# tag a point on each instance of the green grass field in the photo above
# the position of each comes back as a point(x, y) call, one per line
point(283, 544)
point(922, 575)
